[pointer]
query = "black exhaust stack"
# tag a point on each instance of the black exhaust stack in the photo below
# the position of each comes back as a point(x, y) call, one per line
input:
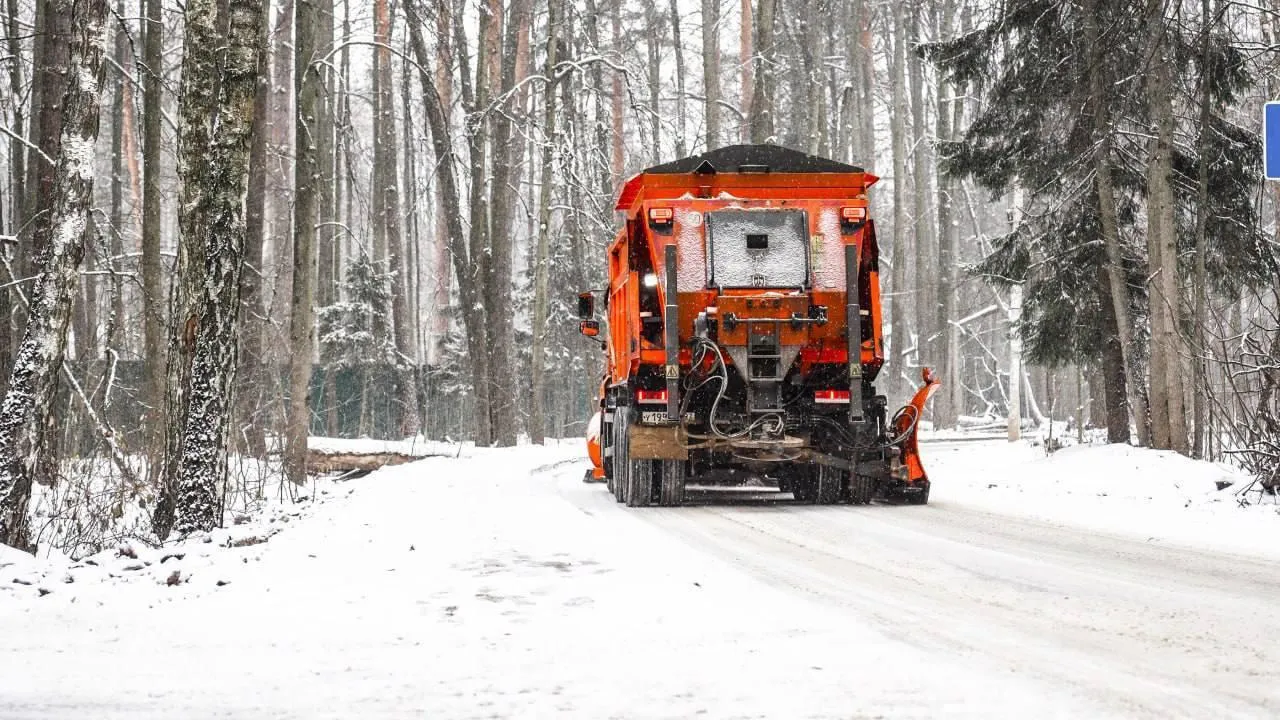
point(671, 324)
point(853, 331)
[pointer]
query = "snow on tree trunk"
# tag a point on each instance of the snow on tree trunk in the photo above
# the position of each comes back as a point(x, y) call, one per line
point(219, 75)
point(34, 380)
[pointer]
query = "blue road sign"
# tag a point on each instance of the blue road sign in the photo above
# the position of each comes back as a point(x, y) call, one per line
point(1271, 140)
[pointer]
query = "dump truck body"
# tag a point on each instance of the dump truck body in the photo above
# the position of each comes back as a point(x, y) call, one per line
point(744, 335)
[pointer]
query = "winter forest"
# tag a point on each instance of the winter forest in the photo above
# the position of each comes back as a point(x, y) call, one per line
point(229, 226)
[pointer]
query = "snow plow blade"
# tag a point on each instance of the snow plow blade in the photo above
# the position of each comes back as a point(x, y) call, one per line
point(910, 483)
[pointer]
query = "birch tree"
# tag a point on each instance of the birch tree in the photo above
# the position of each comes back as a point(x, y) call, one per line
point(34, 380)
point(219, 77)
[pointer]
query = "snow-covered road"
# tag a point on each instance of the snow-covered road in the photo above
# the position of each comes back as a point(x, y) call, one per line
point(501, 586)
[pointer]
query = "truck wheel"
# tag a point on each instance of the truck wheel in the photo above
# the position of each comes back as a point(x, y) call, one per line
point(621, 458)
point(606, 453)
point(640, 482)
point(828, 481)
point(672, 483)
point(803, 481)
point(861, 488)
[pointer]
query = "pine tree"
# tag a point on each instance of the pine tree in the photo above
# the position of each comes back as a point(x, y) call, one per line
point(1065, 118)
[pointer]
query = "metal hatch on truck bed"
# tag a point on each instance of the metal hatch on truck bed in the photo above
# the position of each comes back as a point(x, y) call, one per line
point(757, 248)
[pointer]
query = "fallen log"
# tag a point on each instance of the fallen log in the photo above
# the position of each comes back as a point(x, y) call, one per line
point(320, 461)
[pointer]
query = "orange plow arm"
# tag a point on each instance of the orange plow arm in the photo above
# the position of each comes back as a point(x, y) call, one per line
point(907, 423)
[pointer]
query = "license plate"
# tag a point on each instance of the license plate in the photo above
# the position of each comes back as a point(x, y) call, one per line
point(660, 418)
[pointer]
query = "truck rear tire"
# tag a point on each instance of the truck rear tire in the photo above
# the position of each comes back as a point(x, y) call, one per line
point(671, 493)
point(621, 457)
point(861, 488)
point(829, 480)
point(640, 482)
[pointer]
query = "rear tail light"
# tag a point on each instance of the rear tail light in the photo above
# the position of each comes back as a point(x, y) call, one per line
point(831, 397)
point(660, 216)
point(653, 397)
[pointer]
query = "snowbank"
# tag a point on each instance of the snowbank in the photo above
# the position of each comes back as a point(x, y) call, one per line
point(1153, 494)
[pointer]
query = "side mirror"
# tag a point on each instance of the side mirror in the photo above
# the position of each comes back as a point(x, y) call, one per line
point(586, 306)
point(590, 328)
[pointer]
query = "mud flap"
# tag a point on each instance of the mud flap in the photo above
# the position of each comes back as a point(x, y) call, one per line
point(649, 442)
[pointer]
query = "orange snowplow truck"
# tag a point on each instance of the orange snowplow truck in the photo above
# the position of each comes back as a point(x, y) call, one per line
point(744, 336)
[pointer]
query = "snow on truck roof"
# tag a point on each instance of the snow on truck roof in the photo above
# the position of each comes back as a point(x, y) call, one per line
point(739, 160)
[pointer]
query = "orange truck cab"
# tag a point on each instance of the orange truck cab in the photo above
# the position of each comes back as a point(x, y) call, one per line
point(744, 336)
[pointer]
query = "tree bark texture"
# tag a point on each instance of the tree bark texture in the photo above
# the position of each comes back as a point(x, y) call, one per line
point(898, 276)
point(153, 299)
point(500, 326)
point(1118, 290)
point(678, 49)
point(947, 354)
point(760, 116)
point(51, 50)
point(387, 192)
point(34, 381)
point(710, 71)
point(745, 51)
point(220, 70)
point(1168, 412)
point(922, 234)
point(253, 279)
point(306, 184)
point(468, 292)
point(537, 414)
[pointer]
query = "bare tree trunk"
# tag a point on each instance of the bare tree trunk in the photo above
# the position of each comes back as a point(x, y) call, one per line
point(252, 319)
point(387, 198)
point(1199, 345)
point(653, 18)
point(537, 414)
point(868, 94)
point(442, 274)
point(500, 327)
point(1168, 415)
point(326, 150)
point(710, 71)
point(121, 130)
point(307, 81)
point(1117, 288)
point(152, 283)
point(49, 82)
point(681, 116)
point(29, 397)
point(618, 164)
point(760, 116)
point(947, 410)
point(898, 278)
point(745, 52)
point(280, 170)
point(17, 189)
point(468, 287)
point(220, 70)
point(924, 273)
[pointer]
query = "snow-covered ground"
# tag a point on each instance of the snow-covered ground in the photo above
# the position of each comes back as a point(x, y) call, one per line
point(1096, 582)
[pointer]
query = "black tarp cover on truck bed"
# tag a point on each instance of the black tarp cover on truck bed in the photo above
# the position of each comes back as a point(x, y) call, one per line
point(776, 158)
